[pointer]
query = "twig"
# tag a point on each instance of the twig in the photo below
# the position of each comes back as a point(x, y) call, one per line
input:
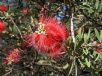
point(53, 66)
point(76, 69)
point(94, 44)
point(8, 73)
point(16, 27)
point(73, 37)
point(71, 67)
point(72, 29)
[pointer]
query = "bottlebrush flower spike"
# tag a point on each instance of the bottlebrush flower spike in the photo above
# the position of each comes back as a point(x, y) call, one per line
point(2, 26)
point(3, 8)
point(49, 37)
point(13, 56)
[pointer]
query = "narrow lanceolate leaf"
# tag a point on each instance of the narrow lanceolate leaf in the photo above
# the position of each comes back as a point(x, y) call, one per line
point(88, 63)
point(15, 30)
point(97, 35)
point(87, 36)
point(101, 35)
point(97, 4)
point(80, 34)
point(100, 7)
point(85, 51)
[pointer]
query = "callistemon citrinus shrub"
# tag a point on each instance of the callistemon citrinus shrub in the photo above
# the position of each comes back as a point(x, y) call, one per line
point(49, 38)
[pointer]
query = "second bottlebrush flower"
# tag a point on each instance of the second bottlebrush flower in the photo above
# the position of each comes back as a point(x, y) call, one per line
point(13, 56)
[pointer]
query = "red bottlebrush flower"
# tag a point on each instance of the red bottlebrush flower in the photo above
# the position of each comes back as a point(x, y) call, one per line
point(2, 26)
point(49, 37)
point(25, 10)
point(3, 8)
point(12, 57)
point(53, 28)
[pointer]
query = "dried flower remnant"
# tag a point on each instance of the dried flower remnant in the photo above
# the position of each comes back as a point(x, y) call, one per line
point(25, 11)
point(49, 38)
point(13, 56)
point(98, 47)
point(99, 50)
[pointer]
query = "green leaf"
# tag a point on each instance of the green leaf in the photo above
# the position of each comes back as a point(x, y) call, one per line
point(85, 51)
point(97, 35)
point(80, 34)
point(97, 4)
point(88, 63)
point(95, 55)
point(90, 10)
point(100, 55)
point(87, 36)
point(15, 30)
point(100, 7)
point(101, 35)
point(81, 63)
